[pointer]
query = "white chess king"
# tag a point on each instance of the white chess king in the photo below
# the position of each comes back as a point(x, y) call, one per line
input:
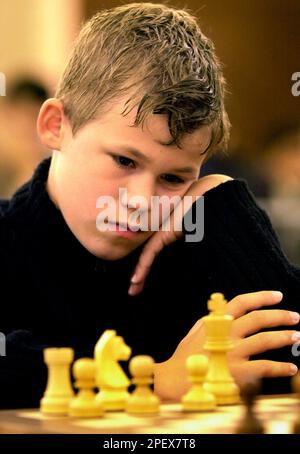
point(219, 380)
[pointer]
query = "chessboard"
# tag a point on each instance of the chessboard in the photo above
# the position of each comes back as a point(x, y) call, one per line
point(276, 413)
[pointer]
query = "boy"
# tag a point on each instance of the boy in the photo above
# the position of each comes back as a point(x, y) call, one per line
point(139, 107)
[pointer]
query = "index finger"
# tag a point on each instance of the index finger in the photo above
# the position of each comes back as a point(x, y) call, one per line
point(142, 269)
point(247, 302)
point(148, 254)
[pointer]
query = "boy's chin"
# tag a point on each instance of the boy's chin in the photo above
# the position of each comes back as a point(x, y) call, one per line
point(112, 252)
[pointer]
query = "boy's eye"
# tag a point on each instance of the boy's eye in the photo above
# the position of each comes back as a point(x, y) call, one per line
point(122, 161)
point(173, 179)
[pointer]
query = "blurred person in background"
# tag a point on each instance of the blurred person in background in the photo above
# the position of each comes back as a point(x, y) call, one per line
point(235, 164)
point(274, 178)
point(281, 163)
point(20, 150)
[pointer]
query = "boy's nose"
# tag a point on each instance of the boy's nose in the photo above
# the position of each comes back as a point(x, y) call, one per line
point(139, 194)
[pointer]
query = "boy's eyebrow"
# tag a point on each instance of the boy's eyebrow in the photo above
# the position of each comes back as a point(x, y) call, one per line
point(145, 158)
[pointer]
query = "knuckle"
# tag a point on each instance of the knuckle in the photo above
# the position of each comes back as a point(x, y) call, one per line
point(266, 339)
point(284, 369)
point(265, 293)
point(284, 337)
point(231, 310)
point(265, 369)
point(288, 336)
point(269, 369)
point(286, 315)
point(144, 263)
point(272, 369)
point(271, 317)
point(257, 316)
point(239, 299)
point(282, 313)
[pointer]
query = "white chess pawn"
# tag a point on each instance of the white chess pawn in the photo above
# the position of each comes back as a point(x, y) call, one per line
point(197, 398)
point(59, 389)
point(84, 404)
point(142, 400)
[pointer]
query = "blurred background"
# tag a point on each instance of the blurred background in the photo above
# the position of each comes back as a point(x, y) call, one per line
point(259, 45)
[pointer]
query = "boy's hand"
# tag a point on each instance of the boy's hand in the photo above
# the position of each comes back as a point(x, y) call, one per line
point(163, 238)
point(248, 341)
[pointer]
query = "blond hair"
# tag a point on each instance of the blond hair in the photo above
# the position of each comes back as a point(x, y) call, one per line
point(159, 54)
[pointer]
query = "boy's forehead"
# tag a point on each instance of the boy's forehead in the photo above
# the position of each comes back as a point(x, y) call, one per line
point(154, 127)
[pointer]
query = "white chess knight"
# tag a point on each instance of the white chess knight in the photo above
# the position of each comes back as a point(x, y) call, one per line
point(110, 377)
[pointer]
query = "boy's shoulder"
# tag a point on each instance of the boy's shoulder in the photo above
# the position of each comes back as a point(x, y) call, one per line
point(4, 204)
point(211, 181)
point(27, 200)
point(4, 220)
point(15, 215)
point(14, 207)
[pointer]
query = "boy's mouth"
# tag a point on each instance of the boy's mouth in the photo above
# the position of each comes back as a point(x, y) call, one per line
point(120, 226)
point(124, 230)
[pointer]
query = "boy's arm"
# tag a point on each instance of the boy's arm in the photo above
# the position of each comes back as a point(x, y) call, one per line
point(246, 256)
point(163, 238)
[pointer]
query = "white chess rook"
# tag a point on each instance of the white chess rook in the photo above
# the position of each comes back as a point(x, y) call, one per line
point(59, 389)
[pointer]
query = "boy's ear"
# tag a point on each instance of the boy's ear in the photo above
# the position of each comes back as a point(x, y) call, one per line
point(50, 123)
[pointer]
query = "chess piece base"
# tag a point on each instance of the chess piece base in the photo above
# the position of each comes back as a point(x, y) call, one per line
point(191, 402)
point(137, 405)
point(55, 405)
point(85, 409)
point(112, 400)
point(225, 393)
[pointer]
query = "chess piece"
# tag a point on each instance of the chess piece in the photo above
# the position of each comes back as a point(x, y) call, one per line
point(110, 377)
point(59, 389)
point(84, 404)
point(219, 380)
point(142, 400)
point(295, 382)
point(250, 424)
point(198, 398)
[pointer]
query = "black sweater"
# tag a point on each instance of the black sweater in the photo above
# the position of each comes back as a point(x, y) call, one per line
point(55, 293)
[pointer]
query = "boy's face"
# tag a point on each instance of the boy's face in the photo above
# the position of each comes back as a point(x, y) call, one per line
point(102, 157)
